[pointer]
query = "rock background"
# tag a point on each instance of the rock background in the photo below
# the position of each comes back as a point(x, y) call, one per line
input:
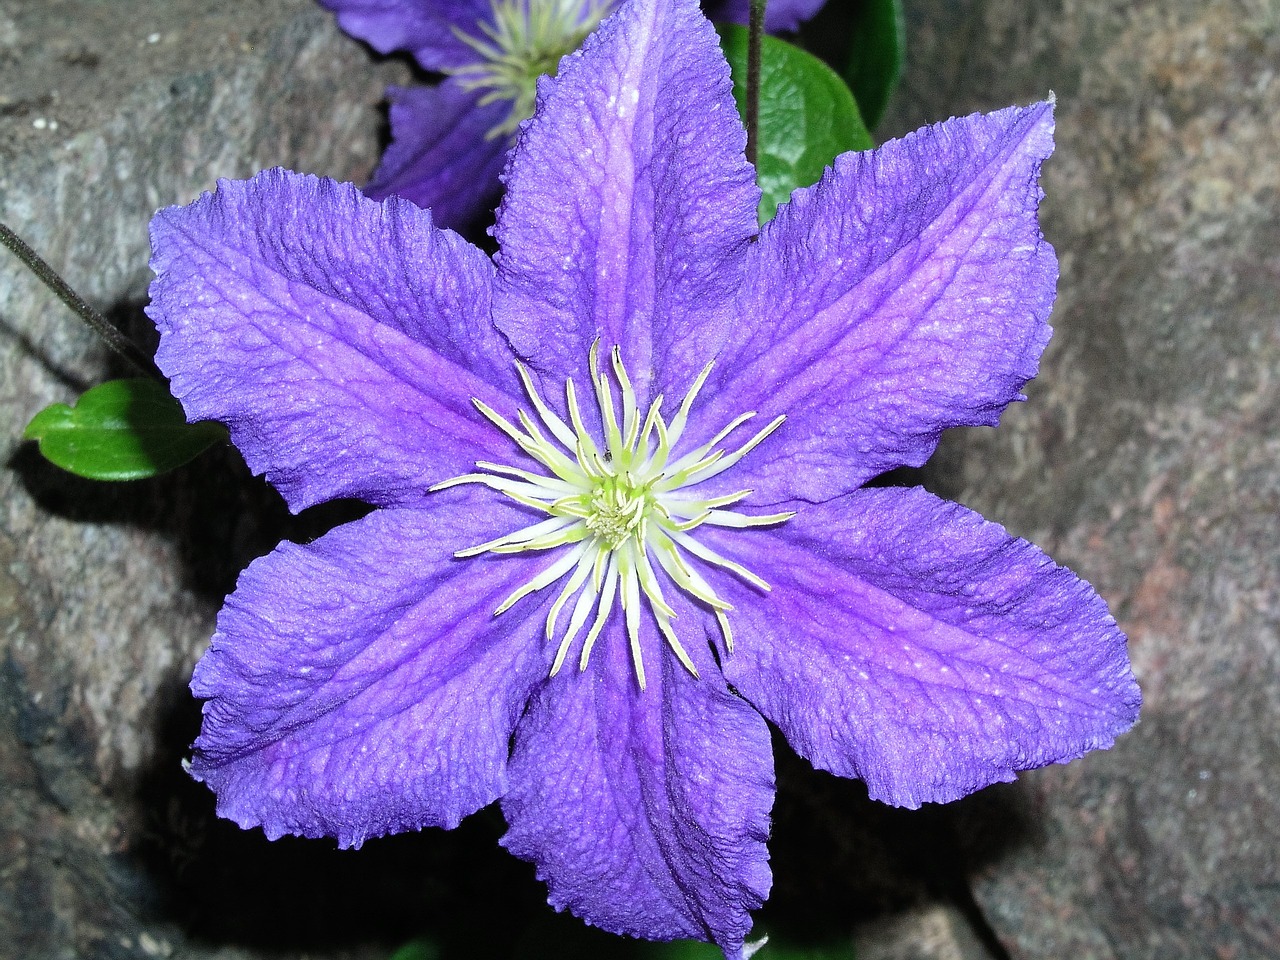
point(1146, 459)
point(109, 110)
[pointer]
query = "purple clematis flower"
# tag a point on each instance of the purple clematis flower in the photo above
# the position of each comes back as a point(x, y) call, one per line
point(619, 477)
point(780, 16)
point(449, 141)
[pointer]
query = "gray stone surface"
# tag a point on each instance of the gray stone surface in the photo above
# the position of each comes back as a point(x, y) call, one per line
point(107, 111)
point(932, 932)
point(1148, 457)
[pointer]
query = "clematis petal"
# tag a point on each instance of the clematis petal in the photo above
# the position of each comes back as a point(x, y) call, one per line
point(440, 156)
point(425, 28)
point(646, 812)
point(629, 203)
point(907, 292)
point(779, 15)
point(340, 339)
point(909, 642)
point(361, 684)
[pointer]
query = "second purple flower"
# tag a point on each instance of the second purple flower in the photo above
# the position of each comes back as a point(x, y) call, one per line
point(450, 140)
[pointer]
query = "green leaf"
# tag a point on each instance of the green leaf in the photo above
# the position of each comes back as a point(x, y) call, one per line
point(773, 950)
point(875, 58)
point(682, 950)
point(121, 430)
point(807, 115)
point(416, 950)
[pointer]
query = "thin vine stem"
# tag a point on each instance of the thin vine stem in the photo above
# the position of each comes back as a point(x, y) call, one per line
point(755, 30)
point(100, 325)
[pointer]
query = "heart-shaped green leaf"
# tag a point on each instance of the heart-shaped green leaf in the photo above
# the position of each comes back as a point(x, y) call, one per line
point(875, 57)
point(121, 430)
point(807, 115)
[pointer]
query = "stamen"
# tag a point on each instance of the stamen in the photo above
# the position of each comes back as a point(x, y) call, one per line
point(650, 422)
point(547, 577)
point(575, 415)
point(681, 508)
point(572, 587)
point(503, 486)
point(542, 479)
point(615, 505)
point(728, 461)
point(610, 588)
point(725, 630)
point(553, 455)
point(570, 534)
point(631, 610)
point(703, 457)
point(682, 417)
point(553, 422)
point(686, 577)
point(612, 434)
point(693, 523)
point(543, 452)
point(740, 521)
point(520, 536)
point(629, 413)
point(644, 571)
point(581, 610)
point(664, 625)
point(703, 552)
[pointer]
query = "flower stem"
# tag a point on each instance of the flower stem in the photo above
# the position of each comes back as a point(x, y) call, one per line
point(96, 321)
point(755, 29)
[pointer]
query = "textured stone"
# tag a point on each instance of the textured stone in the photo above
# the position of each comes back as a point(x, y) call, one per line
point(1148, 457)
point(935, 932)
point(107, 111)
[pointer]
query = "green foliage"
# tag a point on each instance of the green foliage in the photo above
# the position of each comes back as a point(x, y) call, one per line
point(876, 54)
point(565, 941)
point(416, 950)
point(121, 430)
point(692, 950)
point(682, 950)
point(807, 115)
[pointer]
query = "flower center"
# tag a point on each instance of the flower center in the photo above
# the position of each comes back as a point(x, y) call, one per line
point(618, 510)
point(525, 40)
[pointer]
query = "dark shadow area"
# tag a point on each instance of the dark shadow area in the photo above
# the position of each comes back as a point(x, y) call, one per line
point(130, 318)
point(840, 858)
point(220, 516)
point(224, 886)
point(26, 347)
point(940, 475)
